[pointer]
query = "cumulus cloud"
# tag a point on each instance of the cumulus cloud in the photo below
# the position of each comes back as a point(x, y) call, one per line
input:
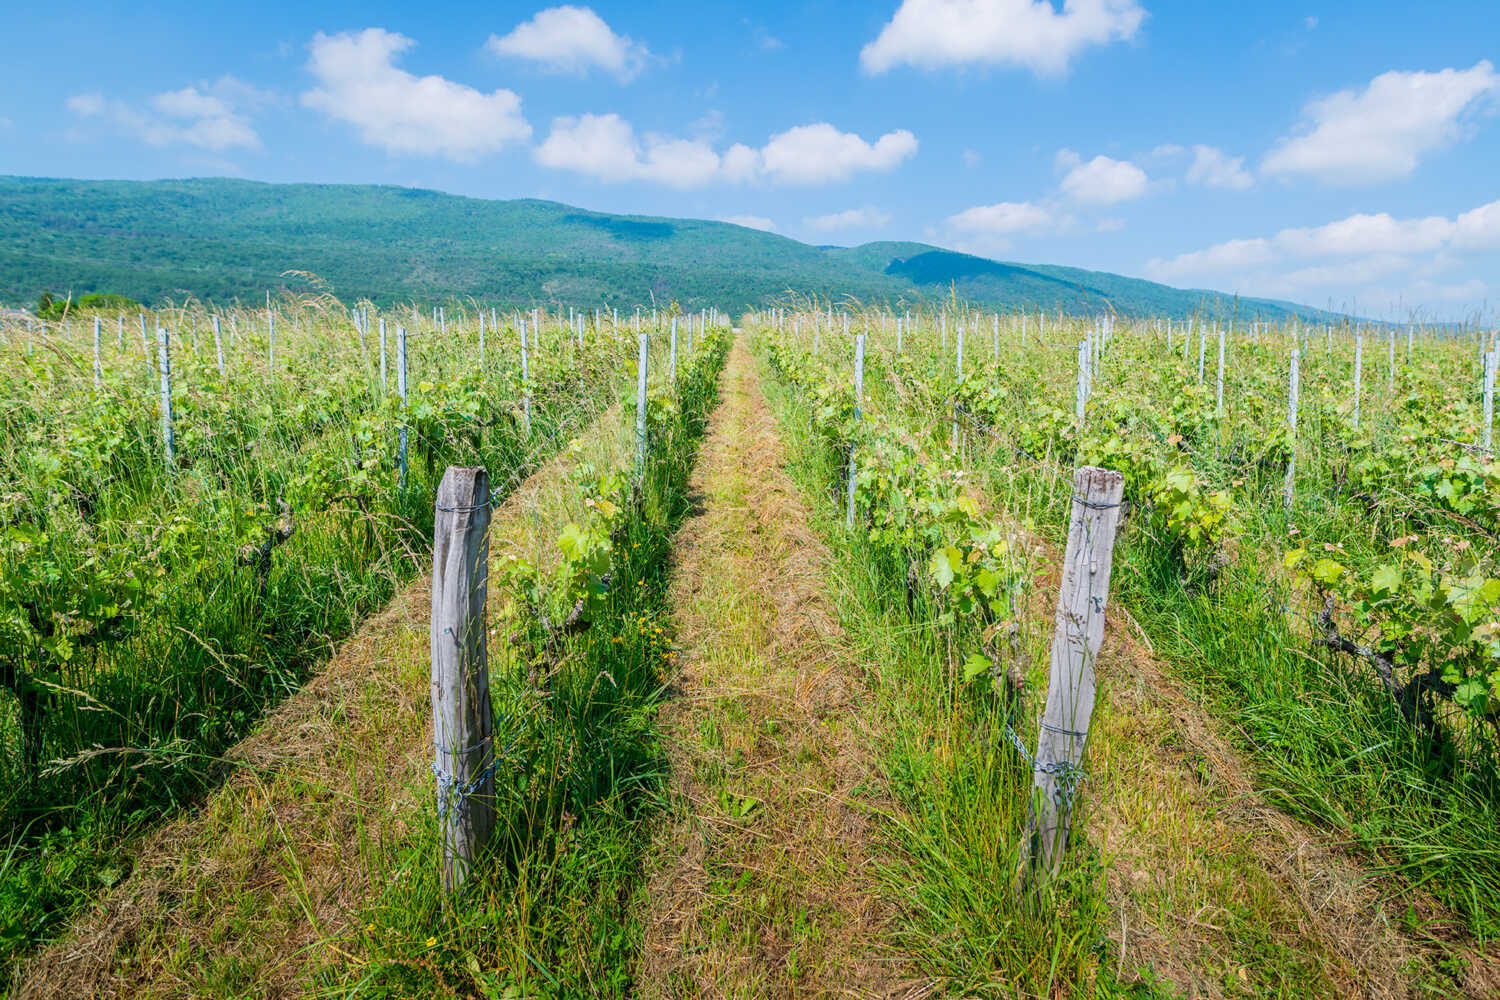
point(760, 222)
point(1003, 218)
point(574, 40)
point(868, 217)
point(1212, 167)
point(987, 230)
point(208, 116)
point(86, 105)
point(606, 147)
point(971, 158)
point(1361, 250)
point(1381, 133)
point(1032, 34)
point(818, 154)
point(360, 84)
point(1101, 181)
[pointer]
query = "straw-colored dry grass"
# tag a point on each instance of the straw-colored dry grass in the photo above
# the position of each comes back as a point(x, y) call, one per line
point(762, 884)
point(254, 890)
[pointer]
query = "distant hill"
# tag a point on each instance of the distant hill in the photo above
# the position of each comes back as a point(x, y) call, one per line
point(225, 239)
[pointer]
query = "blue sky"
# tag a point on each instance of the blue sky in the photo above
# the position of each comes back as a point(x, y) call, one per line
point(1342, 154)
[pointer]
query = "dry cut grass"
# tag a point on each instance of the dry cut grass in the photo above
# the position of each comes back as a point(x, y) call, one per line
point(252, 892)
point(763, 883)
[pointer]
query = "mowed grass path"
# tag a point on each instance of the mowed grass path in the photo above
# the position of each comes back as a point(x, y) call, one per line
point(259, 890)
point(763, 882)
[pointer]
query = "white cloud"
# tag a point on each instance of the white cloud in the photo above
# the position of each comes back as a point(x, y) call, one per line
point(739, 163)
point(1381, 133)
point(1003, 218)
point(1376, 252)
point(86, 105)
point(572, 39)
point(359, 83)
point(1213, 167)
point(606, 147)
point(1110, 225)
point(1311, 22)
point(760, 222)
point(1367, 234)
point(190, 102)
point(763, 38)
point(819, 154)
point(1224, 258)
point(1478, 229)
point(203, 115)
point(868, 217)
point(971, 158)
point(932, 34)
point(1473, 290)
point(1101, 181)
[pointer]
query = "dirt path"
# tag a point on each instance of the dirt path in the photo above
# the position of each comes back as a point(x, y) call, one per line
point(1216, 890)
point(1224, 894)
point(760, 883)
point(251, 892)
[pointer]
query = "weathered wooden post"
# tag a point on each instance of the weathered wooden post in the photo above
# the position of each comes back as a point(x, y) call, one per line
point(462, 720)
point(642, 373)
point(672, 356)
point(164, 367)
point(1081, 607)
point(859, 396)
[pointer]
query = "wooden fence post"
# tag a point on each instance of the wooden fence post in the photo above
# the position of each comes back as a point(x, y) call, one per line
point(1081, 607)
point(219, 345)
point(462, 720)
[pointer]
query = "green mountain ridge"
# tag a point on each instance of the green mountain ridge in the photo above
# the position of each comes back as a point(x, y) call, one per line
point(224, 239)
